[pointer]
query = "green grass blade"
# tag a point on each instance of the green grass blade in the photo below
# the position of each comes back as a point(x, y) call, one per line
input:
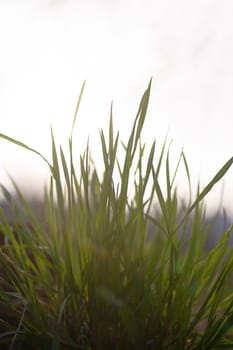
point(23, 145)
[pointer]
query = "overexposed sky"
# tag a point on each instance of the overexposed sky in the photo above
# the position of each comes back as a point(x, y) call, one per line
point(47, 49)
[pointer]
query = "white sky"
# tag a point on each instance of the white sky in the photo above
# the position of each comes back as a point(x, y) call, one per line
point(47, 49)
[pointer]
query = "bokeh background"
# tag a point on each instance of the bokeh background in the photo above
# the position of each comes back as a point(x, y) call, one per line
point(49, 47)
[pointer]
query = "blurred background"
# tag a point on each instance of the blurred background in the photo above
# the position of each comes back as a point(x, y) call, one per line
point(49, 47)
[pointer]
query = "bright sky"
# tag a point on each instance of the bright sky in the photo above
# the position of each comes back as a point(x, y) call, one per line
point(49, 47)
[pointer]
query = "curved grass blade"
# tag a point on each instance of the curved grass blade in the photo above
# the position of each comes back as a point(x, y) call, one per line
point(23, 145)
point(208, 188)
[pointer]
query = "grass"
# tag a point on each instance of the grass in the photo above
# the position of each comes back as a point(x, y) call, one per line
point(110, 267)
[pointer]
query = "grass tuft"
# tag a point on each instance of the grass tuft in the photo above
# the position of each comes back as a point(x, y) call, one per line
point(112, 268)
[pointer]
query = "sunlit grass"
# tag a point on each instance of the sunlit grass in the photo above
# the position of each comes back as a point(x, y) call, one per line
point(102, 270)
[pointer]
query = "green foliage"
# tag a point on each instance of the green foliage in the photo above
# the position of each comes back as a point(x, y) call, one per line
point(112, 268)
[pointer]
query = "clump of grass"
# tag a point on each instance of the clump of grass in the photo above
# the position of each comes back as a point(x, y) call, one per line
point(102, 271)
